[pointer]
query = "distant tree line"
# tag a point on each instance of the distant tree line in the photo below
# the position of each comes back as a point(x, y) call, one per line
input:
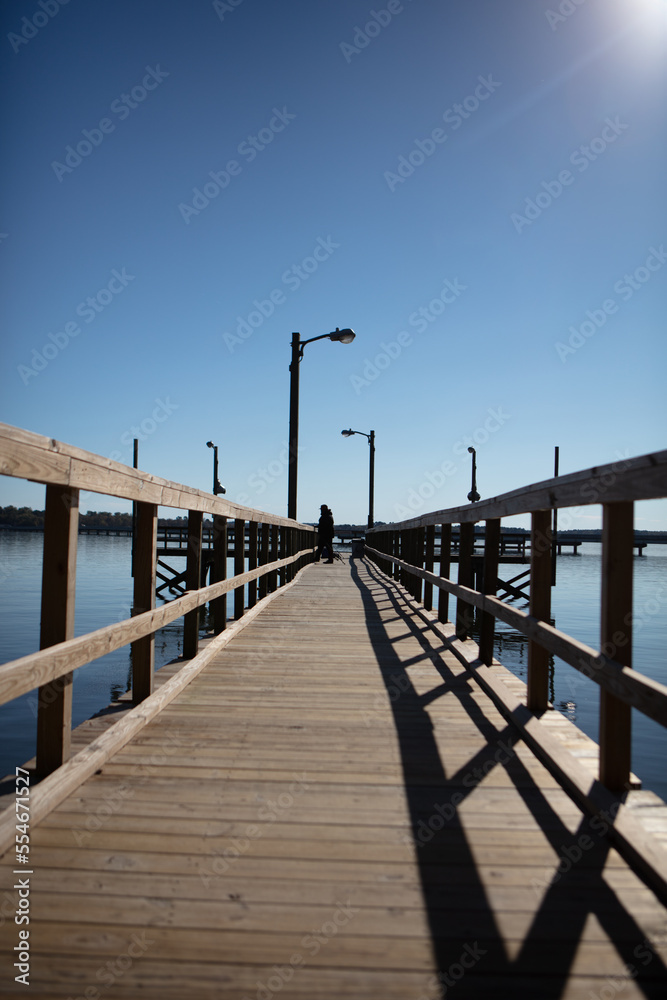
point(25, 517)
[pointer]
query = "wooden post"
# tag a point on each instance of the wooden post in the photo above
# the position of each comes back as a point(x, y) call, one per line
point(263, 559)
point(239, 566)
point(219, 605)
point(464, 611)
point(489, 586)
point(252, 562)
point(192, 582)
point(273, 576)
point(445, 563)
point(396, 550)
point(54, 705)
point(418, 561)
point(537, 697)
point(428, 565)
point(145, 561)
point(282, 552)
point(616, 640)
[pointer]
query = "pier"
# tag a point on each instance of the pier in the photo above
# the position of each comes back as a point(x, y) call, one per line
point(337, 792)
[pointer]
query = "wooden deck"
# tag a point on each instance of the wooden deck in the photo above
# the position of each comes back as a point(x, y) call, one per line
point(332, 808)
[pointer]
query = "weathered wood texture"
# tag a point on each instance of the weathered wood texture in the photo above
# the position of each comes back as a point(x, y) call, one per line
point(45, 460)
point(641, 478)
point(332, 808)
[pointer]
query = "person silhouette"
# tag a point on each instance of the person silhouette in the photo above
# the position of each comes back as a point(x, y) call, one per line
point(325, 534)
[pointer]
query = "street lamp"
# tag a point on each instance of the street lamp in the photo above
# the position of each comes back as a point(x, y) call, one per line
point(473, 496)
point(217, 488)
point(371, 477)
point(343, 337)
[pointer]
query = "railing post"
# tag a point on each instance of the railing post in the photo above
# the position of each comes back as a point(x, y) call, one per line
point(273, 576)
point(616, 639)
point(282, 552)
point(54, 711)
point(489, 586)
point(263, 559)
point(396, 550)
point(428, 565)
point(418, 560)
point(192, 582)
point(239, 566)
point(464, 611)
point(219, 605)
point(537, 697)
point(145, 565)
point(252, 562)
point(445, 564)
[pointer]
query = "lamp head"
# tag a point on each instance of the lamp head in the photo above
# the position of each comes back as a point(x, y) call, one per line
point(344, 336)
point(209, 444)
point(347, 434)
point(471, 450)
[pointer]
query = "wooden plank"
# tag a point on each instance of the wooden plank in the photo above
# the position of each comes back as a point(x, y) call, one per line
point(54, 711)
point(641, 478)
point(616, 640)
point(145, 568)
point(489, 585)
point(428, 565)
point(32, 456)
point(28, 672)
point(239, 566)
point(54, 788)
point(464, 612)
point(540, 608)
point(219, 605)
point(193, 583)
point(641, 692)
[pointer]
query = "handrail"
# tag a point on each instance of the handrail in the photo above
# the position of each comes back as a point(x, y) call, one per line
point(277, 549)
point(406, 551)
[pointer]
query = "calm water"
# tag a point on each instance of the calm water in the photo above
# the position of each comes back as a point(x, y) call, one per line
point(104, 593)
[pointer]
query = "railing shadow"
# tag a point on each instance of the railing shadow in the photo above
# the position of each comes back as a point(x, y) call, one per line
point(463, 923)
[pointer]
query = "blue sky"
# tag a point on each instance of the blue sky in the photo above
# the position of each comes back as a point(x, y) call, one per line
point(476, 188)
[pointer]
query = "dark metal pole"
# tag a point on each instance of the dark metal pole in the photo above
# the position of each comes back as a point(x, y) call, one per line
point(293, 426)
point(215, 469)
point(554, 543)
point(135, 461)
point(371, 482)
point(473, 496)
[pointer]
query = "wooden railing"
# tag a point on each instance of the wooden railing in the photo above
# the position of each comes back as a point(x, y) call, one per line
point(276, 549)
point(406, 551)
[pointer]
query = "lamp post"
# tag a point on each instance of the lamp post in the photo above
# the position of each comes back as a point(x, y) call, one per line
point(473, 496)
point(343, 337)
point(371, 476)
point(217, 488)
